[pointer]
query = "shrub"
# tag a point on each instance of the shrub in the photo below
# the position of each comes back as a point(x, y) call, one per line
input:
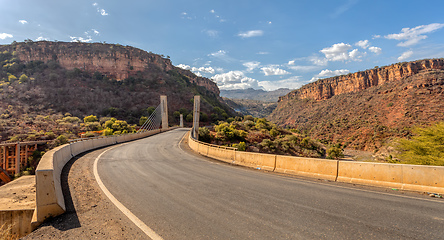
point(62, 139)
point(204, 135)
point(425, 147)
point(240, 146)
point(90, 118)
point(335, 152)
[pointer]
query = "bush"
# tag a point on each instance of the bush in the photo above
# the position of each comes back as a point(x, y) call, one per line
point(90, 118)
point(204, 135)
point(240, 146)
point(425, 147)
point(62, 139)
point(335, 152)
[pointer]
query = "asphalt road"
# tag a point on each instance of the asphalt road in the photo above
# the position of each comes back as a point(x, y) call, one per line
point(181, 195)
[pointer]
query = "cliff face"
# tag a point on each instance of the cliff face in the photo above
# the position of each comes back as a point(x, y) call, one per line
point(115, 61)
point(355, 82)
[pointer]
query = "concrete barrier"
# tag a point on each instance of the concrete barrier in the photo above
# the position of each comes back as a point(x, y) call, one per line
point(256, 160)
point(310, 167)
point(49, 195)
point(423, 178)
point(19, 221)
point(381, 174)
point(407, 177)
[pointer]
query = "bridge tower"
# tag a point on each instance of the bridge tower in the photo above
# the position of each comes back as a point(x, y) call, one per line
point(164, 111)
point(196, 114)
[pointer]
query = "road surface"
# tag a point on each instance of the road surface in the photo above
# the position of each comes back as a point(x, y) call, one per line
point(181, 195)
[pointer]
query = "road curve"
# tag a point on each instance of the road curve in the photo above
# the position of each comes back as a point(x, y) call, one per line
point(181, 195)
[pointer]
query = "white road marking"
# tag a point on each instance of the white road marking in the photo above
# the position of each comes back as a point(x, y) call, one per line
point(147, 230)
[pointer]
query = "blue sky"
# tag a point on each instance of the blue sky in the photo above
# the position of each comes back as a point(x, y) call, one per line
point(241, 44)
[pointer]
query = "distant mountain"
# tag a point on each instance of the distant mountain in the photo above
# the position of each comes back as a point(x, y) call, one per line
point(366, 109)
point(254, 94)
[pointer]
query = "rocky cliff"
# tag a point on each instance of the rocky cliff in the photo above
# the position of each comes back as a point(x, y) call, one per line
point(115, 61)
point(365, 110)
point(355, 82)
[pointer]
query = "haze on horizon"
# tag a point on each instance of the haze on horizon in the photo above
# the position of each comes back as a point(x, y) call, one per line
point(243, 44)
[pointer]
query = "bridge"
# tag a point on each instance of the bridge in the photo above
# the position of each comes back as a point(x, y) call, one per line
point(170, 191)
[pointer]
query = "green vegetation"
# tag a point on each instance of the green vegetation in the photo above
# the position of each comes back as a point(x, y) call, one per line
point(259, 135)
point(426, 146)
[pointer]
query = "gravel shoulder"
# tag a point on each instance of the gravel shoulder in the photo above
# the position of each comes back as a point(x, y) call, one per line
point(89, 214)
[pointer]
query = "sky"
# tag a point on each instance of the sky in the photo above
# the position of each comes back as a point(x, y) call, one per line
point(244, 43)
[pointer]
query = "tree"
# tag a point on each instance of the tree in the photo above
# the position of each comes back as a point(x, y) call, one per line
point(189, 118)
point(335, 152)
point(426, 147)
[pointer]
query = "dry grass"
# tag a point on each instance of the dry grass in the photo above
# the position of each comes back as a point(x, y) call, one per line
point(6, 234)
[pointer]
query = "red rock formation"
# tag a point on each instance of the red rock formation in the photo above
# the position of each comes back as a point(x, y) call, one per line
point(355, 82)
point(116, 61)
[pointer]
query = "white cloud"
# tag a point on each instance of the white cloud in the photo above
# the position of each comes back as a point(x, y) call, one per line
point(273, 70)
point(23, 21)
point(363, 44)
point(337, 52)
point(41, 39)
point(376, 50)
point(304, 68)
point(95, 32)
point(411, 36)
point(292, 83)
point(234, 80)
point(252, 33)
point(212, 33)
point(329, 73)
point(100, 10)
point(251, 65)
point(183, 66)
point(318, 61)
point(5, 35)
point(103, 12)
point(291, 62)
point(263, 53)
point(376, 36)
point(220, 53)
point(212, 11)
point(405, 55)
point(197, 70)
point(80, 39)
point(203, 69)
point(340, 52)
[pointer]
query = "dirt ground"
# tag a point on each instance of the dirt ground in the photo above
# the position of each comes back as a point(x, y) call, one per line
point(18, 194)
point(89, 214)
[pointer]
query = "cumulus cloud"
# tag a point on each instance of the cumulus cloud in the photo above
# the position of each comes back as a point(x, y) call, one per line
point(80, 39)
point(5, 35)
point(251, 65)
point(411, 36)
point(198, 70)
point(95, 32)
point(318, 61)
point(273, 70)
point(405, 55)
point(329, 73)
point(23, 21)
point(340, 52)
point(234, 80)
point(292, 83)
point(376, 36)
point(375, 50)
point(252, 33)
point(183, 66)
point(363, 44)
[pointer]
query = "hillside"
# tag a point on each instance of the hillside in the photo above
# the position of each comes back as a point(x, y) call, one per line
point(366, 109)
point(254, 108)
point(42, 81)
point(255, 94)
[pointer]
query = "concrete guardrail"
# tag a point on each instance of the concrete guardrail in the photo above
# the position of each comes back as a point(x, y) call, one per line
point(400, 176)
point(49, 196)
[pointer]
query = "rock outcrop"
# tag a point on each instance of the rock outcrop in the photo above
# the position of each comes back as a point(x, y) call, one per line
point(355, 82)
point(115, 61)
